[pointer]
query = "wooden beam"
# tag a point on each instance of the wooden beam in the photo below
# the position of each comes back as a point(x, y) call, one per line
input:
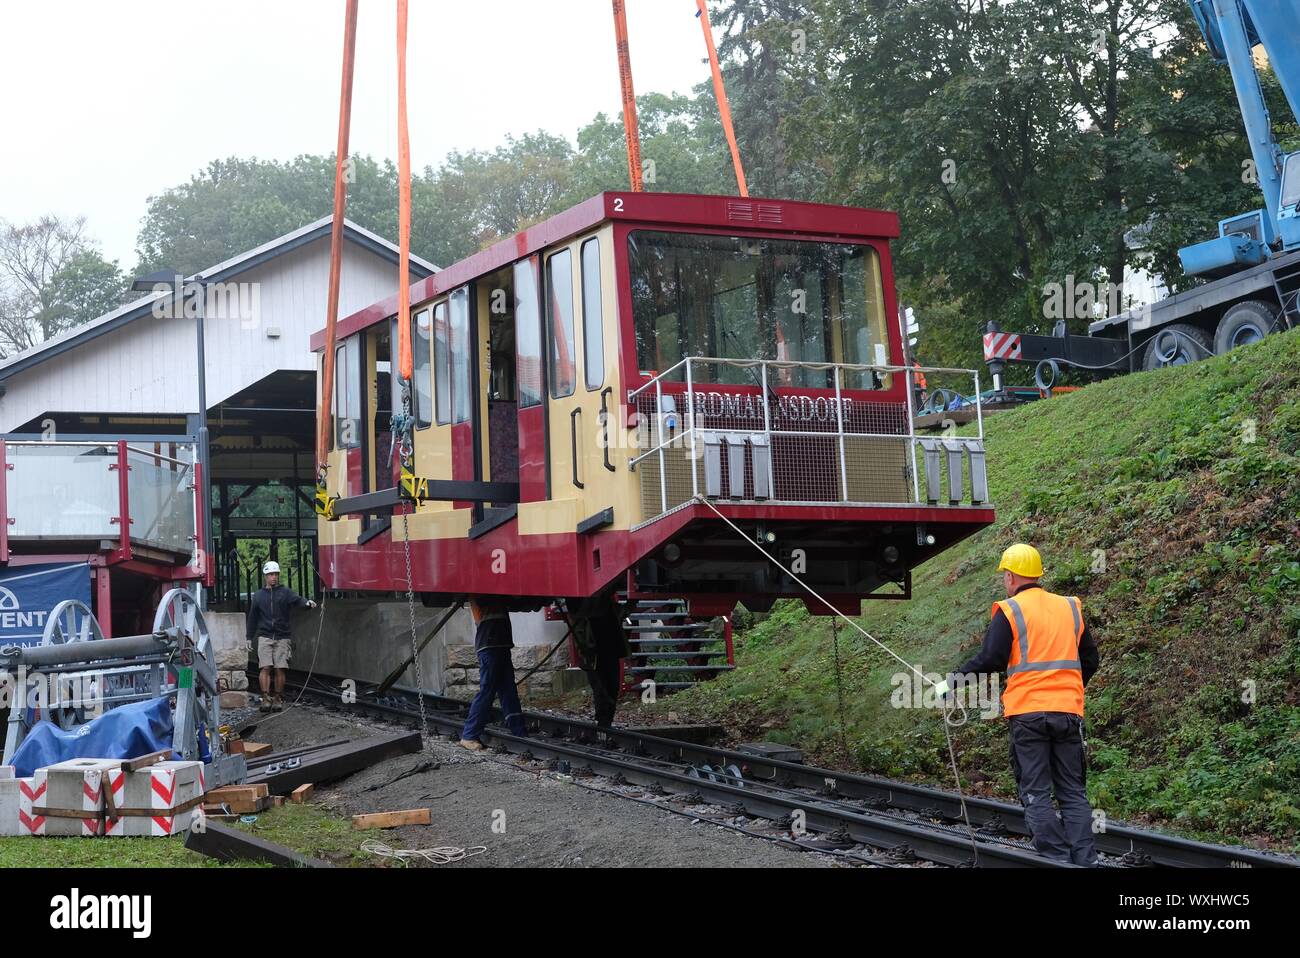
point(227, 844)
point(144, 761)
point(409, 816)
point(302, 793)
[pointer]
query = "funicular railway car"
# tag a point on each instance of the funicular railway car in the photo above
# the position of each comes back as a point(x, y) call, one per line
point(592, 395)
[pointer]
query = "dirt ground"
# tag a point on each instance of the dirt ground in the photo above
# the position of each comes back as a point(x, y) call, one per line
point(548, 822)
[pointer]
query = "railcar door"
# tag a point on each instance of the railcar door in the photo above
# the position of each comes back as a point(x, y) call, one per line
point(349, 436)
point(534, 483)
point(581, 379)
point(462, 367)
point(431, 394)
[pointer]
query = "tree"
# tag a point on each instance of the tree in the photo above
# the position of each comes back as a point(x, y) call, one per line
point(52, 278)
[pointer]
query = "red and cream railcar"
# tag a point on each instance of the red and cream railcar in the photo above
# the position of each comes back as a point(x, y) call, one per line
point(591, 394)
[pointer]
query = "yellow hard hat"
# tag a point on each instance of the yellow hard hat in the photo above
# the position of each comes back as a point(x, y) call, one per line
point(1023, 560)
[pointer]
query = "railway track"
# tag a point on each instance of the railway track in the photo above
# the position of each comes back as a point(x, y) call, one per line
point(902, 822)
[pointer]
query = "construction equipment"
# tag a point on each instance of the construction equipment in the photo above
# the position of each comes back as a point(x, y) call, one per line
point(1253, 265)
point(76, 673)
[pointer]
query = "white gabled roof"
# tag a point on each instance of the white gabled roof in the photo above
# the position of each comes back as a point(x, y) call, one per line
point(235, 265)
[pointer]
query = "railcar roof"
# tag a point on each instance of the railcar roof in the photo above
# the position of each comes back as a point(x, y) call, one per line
point(666, 209)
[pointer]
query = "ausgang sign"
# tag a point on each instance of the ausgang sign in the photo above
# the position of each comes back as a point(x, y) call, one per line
point(270, 524)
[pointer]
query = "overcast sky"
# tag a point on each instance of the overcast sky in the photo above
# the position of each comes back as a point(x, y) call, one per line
point(108, 103)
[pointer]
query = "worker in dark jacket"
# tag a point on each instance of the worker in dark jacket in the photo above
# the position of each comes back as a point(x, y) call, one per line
point(493, 640)
point(602, 645)
point(268, 622)
point(1041, 641)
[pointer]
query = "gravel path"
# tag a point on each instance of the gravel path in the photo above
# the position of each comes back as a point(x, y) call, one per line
point(547, 822)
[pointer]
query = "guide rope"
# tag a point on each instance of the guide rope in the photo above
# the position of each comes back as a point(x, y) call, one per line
point(951, 709)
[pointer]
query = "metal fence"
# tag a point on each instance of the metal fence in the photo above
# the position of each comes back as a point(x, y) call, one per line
point(807, 444)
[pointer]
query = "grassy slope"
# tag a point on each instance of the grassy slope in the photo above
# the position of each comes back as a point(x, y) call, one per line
point(1200, 528)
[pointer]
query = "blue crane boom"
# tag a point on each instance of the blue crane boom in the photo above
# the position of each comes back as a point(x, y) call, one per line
point(1232, 29)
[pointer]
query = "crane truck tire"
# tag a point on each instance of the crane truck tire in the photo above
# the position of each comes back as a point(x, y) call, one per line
point(1247, 322)
point(1176, 345)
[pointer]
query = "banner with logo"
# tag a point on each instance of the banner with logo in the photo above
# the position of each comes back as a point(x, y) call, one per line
point(29, 593)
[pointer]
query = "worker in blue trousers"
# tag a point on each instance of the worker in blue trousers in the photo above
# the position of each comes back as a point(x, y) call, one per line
point(493, 641)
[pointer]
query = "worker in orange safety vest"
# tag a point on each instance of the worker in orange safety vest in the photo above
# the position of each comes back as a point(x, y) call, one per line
point(1042, 643)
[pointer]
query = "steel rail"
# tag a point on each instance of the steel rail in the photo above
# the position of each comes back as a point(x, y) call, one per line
point(876, 829)
point(1134, 846)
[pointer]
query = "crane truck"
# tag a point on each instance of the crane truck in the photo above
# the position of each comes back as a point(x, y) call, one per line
point(1252, 268)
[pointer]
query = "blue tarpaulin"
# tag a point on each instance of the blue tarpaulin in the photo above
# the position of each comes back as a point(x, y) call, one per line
point(29, 593)
point(128, 731)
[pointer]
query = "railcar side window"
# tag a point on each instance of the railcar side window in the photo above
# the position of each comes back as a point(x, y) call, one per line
point(528, 336)
point(460, 354)
point(737, 297)
point(441, 365)
point(559, 323)
point(593, 315)
point(422, 368)
point(347, 395)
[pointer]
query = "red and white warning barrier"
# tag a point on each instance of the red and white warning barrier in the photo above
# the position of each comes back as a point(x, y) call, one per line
point(1001, 346)
point(67, 798)
point(162, 799)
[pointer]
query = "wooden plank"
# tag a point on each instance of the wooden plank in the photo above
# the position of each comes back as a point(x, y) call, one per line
point(241, 799)
point(409, 816)
point(302, 793)
point(227, 844)
point(250, 790)
point(144, 761)
point(254, 749)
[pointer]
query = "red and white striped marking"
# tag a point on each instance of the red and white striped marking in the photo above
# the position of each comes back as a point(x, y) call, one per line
point(165, 792)
point(29, 795)
point(1001, 346)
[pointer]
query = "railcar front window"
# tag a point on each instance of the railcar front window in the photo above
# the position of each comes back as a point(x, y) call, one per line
point(743, 298)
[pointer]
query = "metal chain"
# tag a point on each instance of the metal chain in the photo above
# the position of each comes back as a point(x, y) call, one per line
point(410, 607)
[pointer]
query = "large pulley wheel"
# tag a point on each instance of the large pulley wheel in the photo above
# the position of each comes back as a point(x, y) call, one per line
point(180, 610)
point(68, 622)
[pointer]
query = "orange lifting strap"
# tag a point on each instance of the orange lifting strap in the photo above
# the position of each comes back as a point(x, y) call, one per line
point(403, 207)
point(629, 96)
point(720, 91)
point(323, 419)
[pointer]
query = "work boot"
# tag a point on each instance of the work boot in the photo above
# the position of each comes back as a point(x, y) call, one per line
point(277, 704)
point(265, 704)
point(471, 744)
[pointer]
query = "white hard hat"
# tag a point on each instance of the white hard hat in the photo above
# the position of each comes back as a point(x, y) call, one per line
point(270, 567)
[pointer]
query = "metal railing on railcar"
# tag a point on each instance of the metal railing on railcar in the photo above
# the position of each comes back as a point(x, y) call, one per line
point(823, 446)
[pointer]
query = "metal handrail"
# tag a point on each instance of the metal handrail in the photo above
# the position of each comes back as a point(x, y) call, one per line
point(689, 426)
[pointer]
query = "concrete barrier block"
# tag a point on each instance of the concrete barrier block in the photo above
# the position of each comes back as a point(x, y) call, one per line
point(162, 788)
point(9, 800)
point(226, 630)
point(71, 786)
